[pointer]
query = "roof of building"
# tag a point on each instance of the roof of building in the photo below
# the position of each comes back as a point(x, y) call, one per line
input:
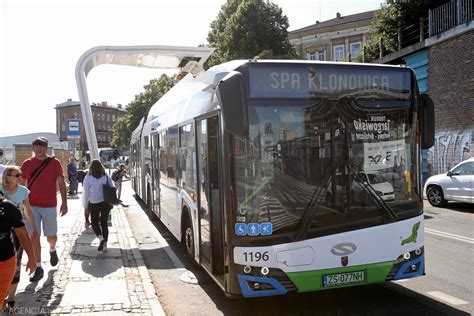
point(338, 21)
point(70, 103)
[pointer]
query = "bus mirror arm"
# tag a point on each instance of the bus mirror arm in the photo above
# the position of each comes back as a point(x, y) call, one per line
point(427, 121)
point(231, 96)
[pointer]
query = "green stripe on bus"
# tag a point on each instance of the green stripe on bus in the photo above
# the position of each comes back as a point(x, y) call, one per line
point(313, 280)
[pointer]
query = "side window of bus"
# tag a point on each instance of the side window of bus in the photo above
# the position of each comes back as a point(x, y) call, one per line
point(163, 159)
point(187, 157)
point(172, 156)
point(147, 142)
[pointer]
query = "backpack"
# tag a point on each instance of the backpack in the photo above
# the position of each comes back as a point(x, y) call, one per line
point(115, 176)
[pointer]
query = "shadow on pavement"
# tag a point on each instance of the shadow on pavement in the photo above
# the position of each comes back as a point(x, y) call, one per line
point(460, 207)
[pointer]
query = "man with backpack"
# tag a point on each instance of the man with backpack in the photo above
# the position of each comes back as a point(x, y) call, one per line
point(117, 178)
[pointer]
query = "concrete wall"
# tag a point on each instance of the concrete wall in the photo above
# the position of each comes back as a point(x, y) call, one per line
point(451, 86)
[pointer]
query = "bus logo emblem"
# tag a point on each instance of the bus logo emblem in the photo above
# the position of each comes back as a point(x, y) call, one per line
point(343, 249)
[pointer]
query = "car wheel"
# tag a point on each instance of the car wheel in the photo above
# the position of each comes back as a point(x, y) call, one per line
point(436, 197)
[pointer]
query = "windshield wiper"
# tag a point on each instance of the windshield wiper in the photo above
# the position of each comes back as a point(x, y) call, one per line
point(369, 188)
point(310, 210)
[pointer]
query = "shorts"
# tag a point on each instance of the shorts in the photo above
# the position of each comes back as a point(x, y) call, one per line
point(48, 217)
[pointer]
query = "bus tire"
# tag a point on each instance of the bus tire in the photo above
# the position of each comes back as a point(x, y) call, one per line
point(188, 234)
point(436, 196)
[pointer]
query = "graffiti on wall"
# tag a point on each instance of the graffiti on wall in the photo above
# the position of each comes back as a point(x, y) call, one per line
point(450, 148)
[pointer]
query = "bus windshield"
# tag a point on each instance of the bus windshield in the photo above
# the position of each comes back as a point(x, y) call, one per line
point(323, 166)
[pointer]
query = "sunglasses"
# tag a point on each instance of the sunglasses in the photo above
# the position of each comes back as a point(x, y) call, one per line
point(15, 175)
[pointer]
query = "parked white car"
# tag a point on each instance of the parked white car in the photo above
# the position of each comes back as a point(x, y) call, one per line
point(378, 182)
point(366, 180)
point(455, 185)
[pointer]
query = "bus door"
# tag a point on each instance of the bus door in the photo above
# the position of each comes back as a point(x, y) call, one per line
point(210, 213)
point(155, 163)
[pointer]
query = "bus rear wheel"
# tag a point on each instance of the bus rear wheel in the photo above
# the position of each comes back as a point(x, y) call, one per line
point(188, 236)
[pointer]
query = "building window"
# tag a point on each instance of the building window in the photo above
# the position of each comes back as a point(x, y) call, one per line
point(322, 55)
point(63, 127)
point(312, 56)
point(355, 49)
point(98, 116)
point(108, 117)
point(113, 117)
point(338, 52)
point(74, 115)
point(103, 116)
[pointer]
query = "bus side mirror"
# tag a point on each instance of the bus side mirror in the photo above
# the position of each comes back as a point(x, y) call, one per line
point(427, 122)
point(231, 96)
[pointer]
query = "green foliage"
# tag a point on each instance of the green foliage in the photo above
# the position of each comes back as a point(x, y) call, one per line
point(247, 29)
point(138, 108)
point(396, 15)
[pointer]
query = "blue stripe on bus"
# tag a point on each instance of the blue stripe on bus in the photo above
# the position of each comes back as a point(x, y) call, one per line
point(402, 272)
point(249, 292)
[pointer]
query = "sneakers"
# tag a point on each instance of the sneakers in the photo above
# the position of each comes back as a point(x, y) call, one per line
point(87, 224)
point(102, 245)
point(53, 258)
point(38, 275)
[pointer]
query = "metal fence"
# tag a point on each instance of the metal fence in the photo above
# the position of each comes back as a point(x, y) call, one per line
point(450, 15)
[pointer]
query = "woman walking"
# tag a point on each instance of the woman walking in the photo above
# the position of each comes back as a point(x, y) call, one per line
point(93, 201)
point(11, 221)
point(17, 194)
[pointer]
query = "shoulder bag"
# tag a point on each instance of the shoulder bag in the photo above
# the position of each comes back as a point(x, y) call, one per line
point(110, 193)
point(35, 174)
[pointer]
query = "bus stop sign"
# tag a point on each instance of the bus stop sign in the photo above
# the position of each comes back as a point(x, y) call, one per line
point(73, 129)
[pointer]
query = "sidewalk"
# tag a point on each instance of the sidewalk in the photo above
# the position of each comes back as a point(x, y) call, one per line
point(87, 281)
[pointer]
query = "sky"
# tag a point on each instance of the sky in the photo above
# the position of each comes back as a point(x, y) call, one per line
point(41, 42)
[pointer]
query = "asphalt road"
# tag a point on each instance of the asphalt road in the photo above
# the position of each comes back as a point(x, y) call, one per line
point(447, 289)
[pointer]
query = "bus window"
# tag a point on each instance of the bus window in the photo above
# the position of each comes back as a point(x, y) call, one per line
point(187, 158)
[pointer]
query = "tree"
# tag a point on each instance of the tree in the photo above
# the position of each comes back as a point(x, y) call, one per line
point(397, 15)
point(138, 108)
point(248, 28)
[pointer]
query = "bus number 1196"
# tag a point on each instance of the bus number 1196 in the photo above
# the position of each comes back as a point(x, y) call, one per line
point(255, 256)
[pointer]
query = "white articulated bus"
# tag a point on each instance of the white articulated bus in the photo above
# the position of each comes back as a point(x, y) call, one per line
point(259, 168)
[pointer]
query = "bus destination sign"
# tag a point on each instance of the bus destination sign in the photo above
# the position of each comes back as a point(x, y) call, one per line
point(310, 80)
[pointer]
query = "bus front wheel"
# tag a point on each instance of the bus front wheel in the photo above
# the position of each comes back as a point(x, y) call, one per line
point(188, 235)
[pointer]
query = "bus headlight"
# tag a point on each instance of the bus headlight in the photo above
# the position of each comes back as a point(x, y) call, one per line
point(264, 271)
point(418, 251)
point(247, 269)
point(406, 256)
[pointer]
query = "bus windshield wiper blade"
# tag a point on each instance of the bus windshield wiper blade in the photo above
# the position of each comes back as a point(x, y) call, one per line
point(312, 207)
point(369, 188)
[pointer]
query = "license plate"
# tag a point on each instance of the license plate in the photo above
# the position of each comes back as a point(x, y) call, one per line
point(340, 279)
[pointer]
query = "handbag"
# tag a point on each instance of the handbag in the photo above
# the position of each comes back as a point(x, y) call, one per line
point(110, 194)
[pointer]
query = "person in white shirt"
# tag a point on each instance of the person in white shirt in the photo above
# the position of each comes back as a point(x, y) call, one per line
point(93, 201)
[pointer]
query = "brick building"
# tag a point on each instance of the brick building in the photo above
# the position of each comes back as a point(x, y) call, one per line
point(444, 65)
point(104, 117)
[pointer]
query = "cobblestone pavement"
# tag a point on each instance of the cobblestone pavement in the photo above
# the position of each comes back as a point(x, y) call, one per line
point(88, 281)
